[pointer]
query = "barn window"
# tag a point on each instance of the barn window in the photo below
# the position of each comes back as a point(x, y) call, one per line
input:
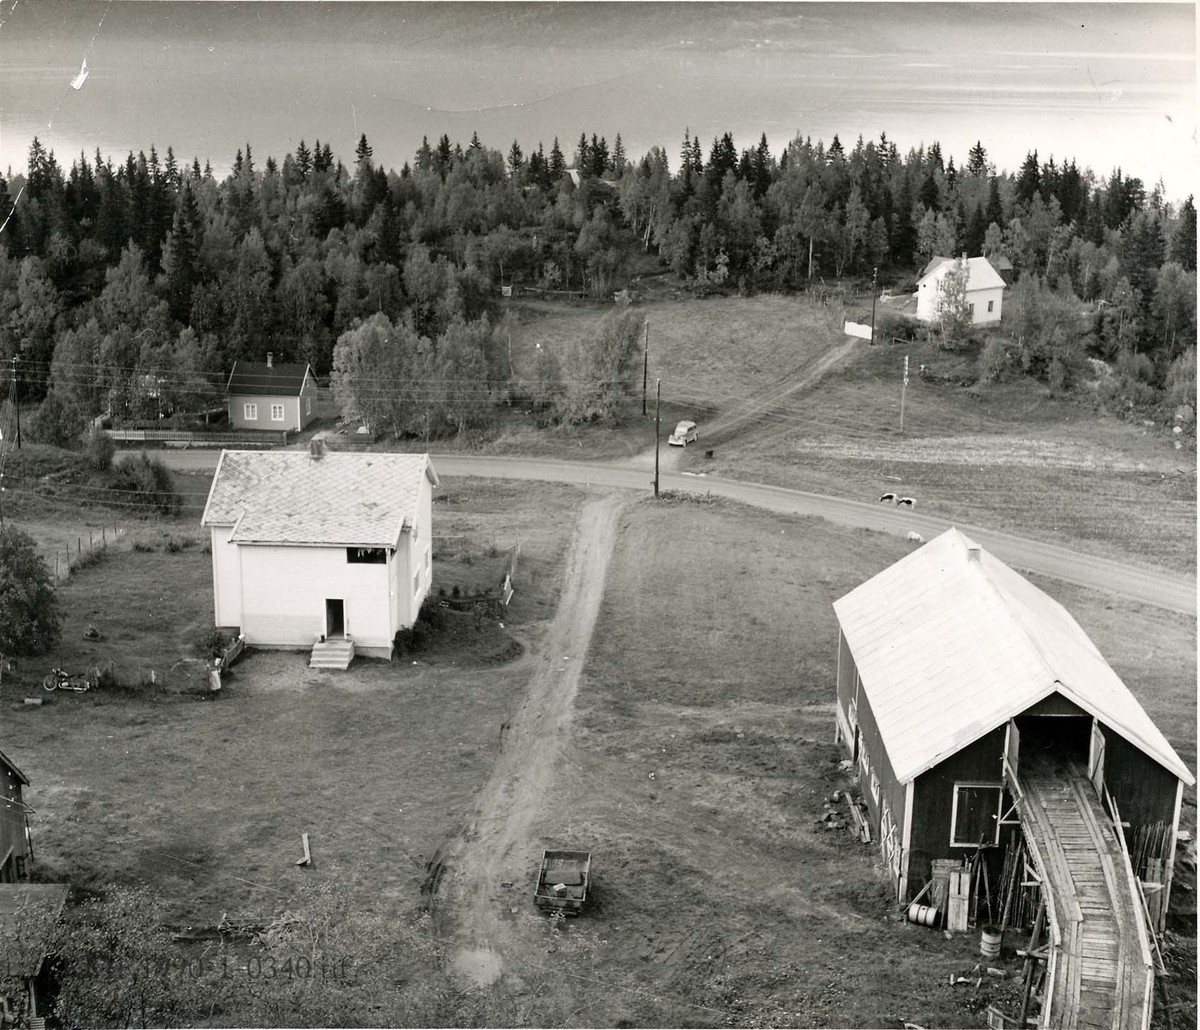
point(417, 582)
point(250, 412)
point(276, 412)
point(366, 556)
point(991, 304)
point(875, 787)
point(975, 815)
point(308, 400)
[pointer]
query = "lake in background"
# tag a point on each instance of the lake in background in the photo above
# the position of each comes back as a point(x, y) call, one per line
point(1107, 84)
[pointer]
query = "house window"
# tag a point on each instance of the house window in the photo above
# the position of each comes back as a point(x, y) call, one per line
point(366, 556)
point(863, 762)
point(308, 400)
point(975, 815)
point(276, 412)
point(991, 304)
point(875, 787)
point(250, 411)
point(416, 582)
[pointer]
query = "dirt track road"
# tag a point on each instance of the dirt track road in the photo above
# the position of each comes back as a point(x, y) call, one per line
point(1173, 591)
point(499, 844)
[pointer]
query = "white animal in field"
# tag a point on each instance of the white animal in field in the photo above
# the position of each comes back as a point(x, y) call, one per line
point(915, 538)
point(887, 498)
point(906, 502)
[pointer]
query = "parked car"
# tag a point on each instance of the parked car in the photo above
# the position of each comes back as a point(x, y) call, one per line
point(685, 433)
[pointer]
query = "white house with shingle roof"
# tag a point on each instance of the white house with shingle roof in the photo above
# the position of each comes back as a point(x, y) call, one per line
point(951, 666)
point(985, 289)
point(313, 548)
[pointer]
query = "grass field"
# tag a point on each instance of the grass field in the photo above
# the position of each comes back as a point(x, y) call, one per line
point(1007, 456)
point(697, 771)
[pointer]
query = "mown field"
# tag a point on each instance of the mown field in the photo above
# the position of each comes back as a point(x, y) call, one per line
point(1007, 456)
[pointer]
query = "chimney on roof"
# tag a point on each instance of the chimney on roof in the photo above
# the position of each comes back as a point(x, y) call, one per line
point(316, 448)
point(270, 360)
point(974, 555)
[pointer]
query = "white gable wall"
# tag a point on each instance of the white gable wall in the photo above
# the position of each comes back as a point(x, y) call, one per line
point(929, 298)
point(284, 591)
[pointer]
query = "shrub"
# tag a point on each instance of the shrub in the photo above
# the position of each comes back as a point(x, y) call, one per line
point(100, 451)
point(30, 621)
point(892, 324)
point(213, 643)
point(57, 421)
point(150, 480)
point(993, 361)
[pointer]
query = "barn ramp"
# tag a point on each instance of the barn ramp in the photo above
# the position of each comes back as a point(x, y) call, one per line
point(1099, 972)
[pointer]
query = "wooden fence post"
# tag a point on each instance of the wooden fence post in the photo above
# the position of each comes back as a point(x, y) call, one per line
point(79, 546)
point(103, 539)
point(55, 566)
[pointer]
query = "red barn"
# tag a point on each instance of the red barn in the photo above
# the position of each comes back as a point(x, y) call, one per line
point(956, 676)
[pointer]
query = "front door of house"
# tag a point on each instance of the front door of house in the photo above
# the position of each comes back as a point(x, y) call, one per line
point(335, 617)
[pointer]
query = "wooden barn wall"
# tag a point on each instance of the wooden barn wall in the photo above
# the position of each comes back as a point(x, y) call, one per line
point(880, 763)
point(1143, 790)
point(1055, 704)
point(933, 800)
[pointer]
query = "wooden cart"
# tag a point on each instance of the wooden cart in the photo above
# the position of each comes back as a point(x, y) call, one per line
point(563, 880)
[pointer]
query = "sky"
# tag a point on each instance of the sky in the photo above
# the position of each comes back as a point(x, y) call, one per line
point(1106, 84)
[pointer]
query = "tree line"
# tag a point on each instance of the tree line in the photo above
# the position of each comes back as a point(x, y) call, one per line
point(124, 286)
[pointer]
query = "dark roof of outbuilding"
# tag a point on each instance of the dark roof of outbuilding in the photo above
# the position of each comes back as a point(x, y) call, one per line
point(250, 378)
point(9, 762)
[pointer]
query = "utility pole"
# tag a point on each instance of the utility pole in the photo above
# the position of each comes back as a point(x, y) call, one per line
point(657, 422)
point(874, 280)
point(645, 367)
point(903, 388)
point(17, 398)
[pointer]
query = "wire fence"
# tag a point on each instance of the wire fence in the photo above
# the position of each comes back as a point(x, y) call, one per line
point(62, 561)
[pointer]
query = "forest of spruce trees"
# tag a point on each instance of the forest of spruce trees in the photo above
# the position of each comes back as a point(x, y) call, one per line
point(151, 271)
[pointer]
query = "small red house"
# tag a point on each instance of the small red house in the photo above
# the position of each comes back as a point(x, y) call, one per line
point(281, 397)
point(954, 674)
point(14, 824)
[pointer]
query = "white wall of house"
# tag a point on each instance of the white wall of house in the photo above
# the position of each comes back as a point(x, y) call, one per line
point(227, 578)
point(284, 590)
point(980, 301)
point(929, 300)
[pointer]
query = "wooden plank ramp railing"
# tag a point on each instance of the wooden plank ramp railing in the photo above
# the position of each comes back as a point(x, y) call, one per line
point(1101, 974)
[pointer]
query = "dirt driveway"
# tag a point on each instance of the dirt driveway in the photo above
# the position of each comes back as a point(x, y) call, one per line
point(499, 844)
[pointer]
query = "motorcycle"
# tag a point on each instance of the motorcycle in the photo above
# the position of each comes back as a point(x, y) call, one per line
point(60, 679)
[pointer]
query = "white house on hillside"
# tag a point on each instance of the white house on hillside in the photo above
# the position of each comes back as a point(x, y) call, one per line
point(326, 549)
point(985, 290)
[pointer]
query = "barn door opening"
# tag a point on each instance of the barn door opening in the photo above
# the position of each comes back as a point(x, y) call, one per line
point(1096, 758)
point(335, 617)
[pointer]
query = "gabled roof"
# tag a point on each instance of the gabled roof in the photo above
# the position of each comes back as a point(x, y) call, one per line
point(949, 648)
point(980, 273)
point(342, 500)
point(5, 760)
point(252, 379)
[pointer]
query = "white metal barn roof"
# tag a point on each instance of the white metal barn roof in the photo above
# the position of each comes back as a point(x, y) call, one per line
point(290, 497)
point(949, 648)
